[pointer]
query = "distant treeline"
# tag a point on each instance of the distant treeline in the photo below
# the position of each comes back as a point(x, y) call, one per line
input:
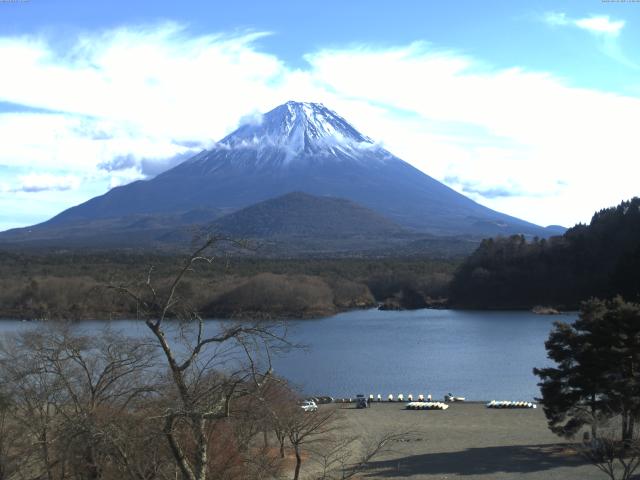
point(601, 259)
point(71, 285)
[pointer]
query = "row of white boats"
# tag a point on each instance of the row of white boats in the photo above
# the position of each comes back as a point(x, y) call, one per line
point(427, 403)
point(491, 404)
point(401, 398)
point(509, 404)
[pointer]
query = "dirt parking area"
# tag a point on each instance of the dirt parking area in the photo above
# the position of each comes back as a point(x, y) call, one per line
point(468, 441)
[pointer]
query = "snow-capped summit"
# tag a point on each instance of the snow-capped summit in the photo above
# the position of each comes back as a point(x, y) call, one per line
point(299, 127)
point(295, 129)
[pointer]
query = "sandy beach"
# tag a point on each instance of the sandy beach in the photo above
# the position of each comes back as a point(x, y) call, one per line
point(469, 441)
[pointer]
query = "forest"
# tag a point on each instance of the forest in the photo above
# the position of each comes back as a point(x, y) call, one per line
point(601, 260)
point(75, 285)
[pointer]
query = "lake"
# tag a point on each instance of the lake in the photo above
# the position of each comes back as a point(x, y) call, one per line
point(481, 355)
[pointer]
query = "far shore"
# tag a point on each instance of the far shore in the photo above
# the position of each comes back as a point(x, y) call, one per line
point(284, 316)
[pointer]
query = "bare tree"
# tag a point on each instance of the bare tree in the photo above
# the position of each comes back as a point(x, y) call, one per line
point(71, 393)
point(200, 397)
point(100, 377)
point(333, 457)
point(9, 435)
point(347, 457)
point(34, 395)
point(614, 457)
point(278, 402)
point(309, 429)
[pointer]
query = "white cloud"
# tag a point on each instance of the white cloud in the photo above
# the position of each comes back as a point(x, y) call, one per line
point(137, 78)
point(146, 91)
point(600, 25)
point(45, 182)
point(133, 101)
point(556, 19)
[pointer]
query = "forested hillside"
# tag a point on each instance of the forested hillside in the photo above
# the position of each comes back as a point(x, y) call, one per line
point(601, 259)
point(72, 286)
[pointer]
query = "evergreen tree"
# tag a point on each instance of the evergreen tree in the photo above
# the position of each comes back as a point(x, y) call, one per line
point(597, 372)
point(596, 260)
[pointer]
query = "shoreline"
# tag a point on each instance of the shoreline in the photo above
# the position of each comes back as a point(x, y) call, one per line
point(293, 316)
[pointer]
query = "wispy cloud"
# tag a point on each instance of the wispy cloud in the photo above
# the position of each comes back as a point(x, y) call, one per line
point(607, 32)
point(33, 183)
point(602, 27)
point(146, 167)
point(472, 187)
point(556, 19)
point(119, 162)
point(596, 24)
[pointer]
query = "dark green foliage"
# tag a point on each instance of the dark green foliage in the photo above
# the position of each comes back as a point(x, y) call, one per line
point(597, 372)
point(598, 260)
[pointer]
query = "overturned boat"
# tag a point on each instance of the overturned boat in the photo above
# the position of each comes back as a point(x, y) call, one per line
point(426, 406)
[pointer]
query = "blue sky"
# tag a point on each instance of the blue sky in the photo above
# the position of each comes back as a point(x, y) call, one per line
point(527, 108)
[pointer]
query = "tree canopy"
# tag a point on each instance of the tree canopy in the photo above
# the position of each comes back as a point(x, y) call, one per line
point(596, 260)
point(597, 372)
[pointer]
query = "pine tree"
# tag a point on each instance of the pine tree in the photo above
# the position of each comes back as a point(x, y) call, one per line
point(597, 372)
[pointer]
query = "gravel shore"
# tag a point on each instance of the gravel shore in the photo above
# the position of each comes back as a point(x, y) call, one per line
point(468, 441)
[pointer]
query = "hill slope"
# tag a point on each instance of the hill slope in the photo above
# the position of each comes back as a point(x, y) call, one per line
point(301, 214)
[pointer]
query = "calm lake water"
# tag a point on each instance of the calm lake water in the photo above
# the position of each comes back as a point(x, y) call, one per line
point(477, 354)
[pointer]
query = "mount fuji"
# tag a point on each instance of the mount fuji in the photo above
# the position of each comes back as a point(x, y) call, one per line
point(296, 147)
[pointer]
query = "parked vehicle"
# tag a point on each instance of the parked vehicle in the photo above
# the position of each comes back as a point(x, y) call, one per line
point(309, 406)
point(450, 398)
point(323, 400)
point(361, 402)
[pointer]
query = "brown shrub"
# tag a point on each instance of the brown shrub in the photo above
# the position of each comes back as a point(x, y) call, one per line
point(269, 295)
